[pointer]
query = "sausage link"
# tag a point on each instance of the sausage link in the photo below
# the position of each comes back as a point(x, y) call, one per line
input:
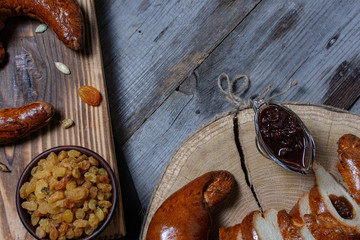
point(64, 17)
point(16, 123)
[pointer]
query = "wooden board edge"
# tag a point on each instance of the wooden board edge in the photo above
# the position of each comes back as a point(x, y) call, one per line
point(122, 226)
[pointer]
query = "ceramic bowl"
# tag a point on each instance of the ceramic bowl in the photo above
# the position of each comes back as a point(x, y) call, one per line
point(25, 216)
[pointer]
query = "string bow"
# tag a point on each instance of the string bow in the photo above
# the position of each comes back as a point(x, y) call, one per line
point(232, 95)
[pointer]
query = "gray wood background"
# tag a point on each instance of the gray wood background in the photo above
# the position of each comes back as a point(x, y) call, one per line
point(162, 60)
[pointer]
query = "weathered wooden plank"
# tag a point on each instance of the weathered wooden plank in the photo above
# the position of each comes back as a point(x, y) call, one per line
point(30, 75)
point(158, 45)
point(355, 108)
point(279, 40)
point(149, 141)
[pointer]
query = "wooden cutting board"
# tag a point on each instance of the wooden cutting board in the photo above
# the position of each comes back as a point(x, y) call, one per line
point(30, 75)
point(227, 143)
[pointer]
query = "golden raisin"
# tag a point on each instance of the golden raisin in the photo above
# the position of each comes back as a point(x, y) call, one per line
point(103, 172)
point(70, 233)
point(93, 220)
point(53, 233)
point(30, 206)
point(100, 196)
point(85, 165)
point(77, 194)
point(86, 206)
point(80, 213)
point(92, 204)
point(52, 157)
point(90, 177)
point(45, 224)
point(76, 173)
point(107, 195)
point(71, 185)
point(68, 216)
point(100, 214)
point(62, 155)
point(104, 179)
point(80, 223)
point(93, 161)
point(40, 232)
point(63, 228)
point(88, 230)
point(59, 171)
point(104, 187)
point(74, 153)
point(87, 184)
point(89, 95)
point(93, 192)
point(78, 232)
point(34, 219)
point(23, 193)
point(105, 204)
point(56, 196)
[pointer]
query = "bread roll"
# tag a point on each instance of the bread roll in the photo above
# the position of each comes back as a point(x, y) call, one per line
point(185, 214)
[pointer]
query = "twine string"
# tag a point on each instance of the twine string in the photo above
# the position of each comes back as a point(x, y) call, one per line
point(232, 95)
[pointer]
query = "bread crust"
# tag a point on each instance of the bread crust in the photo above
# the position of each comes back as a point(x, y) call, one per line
point(288, 229)
point(248, 231)
point(185, 214)
point(349, 163)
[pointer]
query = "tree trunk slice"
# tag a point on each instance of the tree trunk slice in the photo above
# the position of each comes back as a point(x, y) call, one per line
point(213, 147)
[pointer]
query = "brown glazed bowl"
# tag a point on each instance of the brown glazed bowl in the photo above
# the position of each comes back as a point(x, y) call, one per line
point(25, 216)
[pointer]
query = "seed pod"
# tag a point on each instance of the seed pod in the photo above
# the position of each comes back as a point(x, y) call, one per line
point(62, 68)
point(41, 28)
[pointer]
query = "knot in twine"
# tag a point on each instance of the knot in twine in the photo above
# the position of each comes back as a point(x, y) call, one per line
point(231, 94)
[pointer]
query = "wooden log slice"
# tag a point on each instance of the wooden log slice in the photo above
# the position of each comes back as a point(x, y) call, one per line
point(260, 183)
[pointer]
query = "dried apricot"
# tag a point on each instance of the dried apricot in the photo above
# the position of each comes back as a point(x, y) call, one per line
point(89, 95)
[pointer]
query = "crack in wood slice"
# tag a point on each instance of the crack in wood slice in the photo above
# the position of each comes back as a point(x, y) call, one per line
point(242, 159)
point(213, 147)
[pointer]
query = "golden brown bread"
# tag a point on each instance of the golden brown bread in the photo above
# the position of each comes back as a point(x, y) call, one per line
point(185, 214)
point(328, 211)
point(247, 226)
point(230, 233)
point(321, 223)
point(64, 17)
point(16, 123)
point(288, 229)
point(349, 163)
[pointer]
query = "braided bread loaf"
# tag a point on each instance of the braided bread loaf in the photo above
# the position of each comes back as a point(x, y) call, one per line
point(328, 211)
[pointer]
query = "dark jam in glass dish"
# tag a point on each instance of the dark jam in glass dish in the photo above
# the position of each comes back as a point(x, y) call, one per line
point(282, 135)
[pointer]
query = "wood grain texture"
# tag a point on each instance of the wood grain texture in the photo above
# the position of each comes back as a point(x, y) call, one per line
point(213, 147)
point(276, 41)
point(160, 44)
point(31, 75)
